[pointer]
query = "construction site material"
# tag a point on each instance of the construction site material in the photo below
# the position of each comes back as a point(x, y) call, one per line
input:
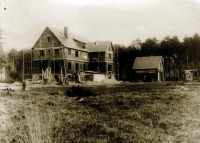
point(46, 75)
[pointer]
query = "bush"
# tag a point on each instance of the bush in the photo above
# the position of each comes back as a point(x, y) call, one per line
point(15, 76)
point(79, 91)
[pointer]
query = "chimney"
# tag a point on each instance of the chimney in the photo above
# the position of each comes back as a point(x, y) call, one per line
point(66, 32)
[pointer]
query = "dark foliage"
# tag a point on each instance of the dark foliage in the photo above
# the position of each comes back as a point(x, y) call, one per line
point(78, 91)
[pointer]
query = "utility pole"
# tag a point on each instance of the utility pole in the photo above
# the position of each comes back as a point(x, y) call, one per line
point(23, 65)
point(31, 63)
point(118, 61)
point(187, 59)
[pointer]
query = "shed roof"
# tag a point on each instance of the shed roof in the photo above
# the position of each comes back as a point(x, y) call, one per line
point(151, 62)
point(190, 71)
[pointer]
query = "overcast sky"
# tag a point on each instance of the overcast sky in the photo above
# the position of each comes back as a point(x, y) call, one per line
point(120, 21)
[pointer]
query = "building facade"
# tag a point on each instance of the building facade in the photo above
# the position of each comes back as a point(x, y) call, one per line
point(64, 53)
point(148, 68)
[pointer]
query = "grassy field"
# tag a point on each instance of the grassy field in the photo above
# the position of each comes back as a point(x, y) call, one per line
point(124, 113)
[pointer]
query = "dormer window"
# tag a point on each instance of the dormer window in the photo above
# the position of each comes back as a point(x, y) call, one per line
point(48, 39)
point(84, 45)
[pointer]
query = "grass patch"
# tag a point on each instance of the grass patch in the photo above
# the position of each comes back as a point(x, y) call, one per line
point(139, 113)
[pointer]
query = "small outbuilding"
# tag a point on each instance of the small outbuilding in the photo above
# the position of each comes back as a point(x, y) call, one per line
point(148, 69)
point(191, 75)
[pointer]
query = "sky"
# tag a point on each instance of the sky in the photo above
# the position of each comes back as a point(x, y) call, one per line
point(120, 21)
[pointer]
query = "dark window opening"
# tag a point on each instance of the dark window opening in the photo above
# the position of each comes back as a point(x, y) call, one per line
point(41, 52)
point(40, 66)
point(76, 53)
point(56, 52)
point(94, 55)
point(69, 66)
point(84, 67)
point(48, 39)
point(77, 68)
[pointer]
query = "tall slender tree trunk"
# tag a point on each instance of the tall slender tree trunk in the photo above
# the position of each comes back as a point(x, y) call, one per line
point(169, 66)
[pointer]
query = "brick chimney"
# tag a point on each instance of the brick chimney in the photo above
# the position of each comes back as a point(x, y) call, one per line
point(66, 32)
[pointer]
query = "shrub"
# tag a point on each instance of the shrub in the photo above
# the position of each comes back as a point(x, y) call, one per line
point(164, 125)
point(79, 91)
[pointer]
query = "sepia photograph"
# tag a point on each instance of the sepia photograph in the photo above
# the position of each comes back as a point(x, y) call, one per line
point(99, 71)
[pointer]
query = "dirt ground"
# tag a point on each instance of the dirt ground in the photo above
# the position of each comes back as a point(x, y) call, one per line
point(179, 110)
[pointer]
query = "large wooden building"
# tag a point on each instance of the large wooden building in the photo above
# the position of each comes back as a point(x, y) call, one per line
point(148, 68)
point(63, 53)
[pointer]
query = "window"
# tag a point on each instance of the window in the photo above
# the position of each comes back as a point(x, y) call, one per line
point(101, 54)
point(56, 52)
point(84, 67)
point(94, 55)
point(77, 68)
point(69, 52)
point(152, 71)
point(48, 51)
point(41, 53)
point(48, 39)
point(81, 66)
point(109, 55)
point(69, 65)
point(84, 55)
point(76, 53)
point(83, 46)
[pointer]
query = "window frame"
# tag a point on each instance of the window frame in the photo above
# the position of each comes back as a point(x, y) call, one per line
point(41, 53)
point(56, 53)
point(48, 51)
point(69, 52)
point(69, 64)
point(48, 39)
point(76, 54)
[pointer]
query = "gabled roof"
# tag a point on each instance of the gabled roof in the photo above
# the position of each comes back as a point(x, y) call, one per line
point(151, 62)
point(70, 41)
point(98, 46)
point(67, 42)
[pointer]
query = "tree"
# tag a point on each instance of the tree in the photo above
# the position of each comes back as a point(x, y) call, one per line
point(136, 44)
point(16, 63)
point(170, 48)
point(13, 59)
point(150, 47)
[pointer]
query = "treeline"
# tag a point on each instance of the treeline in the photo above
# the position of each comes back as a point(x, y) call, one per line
point(178, 56)
point(13, 61)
